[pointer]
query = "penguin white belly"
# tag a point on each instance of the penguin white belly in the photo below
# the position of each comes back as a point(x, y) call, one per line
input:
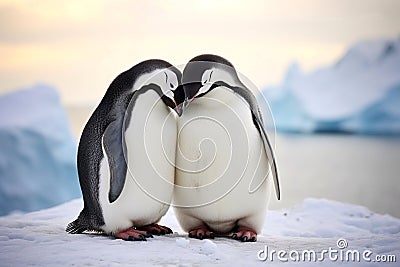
point(150, 140)
point(222, 168)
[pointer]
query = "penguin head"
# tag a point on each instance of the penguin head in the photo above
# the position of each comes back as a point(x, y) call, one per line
point(172, 91)
point(206, 72)
point(165, 77)
point(178, 95)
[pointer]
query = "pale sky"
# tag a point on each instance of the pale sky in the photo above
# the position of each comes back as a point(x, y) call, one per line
point(81, 46)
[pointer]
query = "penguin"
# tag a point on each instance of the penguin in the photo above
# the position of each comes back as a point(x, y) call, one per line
point(224, 155)
point(126, 154)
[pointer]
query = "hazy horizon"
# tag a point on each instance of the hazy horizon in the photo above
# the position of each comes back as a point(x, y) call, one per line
point(80, 47)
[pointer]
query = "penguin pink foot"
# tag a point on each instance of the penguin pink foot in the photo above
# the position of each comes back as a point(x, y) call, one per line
point(201, 232)
point(245, 234)
point(132, 234)
point(155, 229)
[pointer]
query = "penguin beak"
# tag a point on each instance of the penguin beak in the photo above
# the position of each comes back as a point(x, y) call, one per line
point(192, 90)
point(179, 99)
point(179, 109)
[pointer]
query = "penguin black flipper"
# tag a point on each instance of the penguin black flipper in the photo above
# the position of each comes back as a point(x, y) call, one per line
point(268, 149)
point(257, 119)
point(113, 146)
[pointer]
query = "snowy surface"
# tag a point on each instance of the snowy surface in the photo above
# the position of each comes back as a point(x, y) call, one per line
point(39, 239)
point(360, 93)
point(37, 151)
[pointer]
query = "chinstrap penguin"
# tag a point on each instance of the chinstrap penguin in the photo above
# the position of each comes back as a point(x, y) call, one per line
point(224, 155)
point(126, 154)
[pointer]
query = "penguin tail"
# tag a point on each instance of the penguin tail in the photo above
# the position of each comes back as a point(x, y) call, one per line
point(75, 228)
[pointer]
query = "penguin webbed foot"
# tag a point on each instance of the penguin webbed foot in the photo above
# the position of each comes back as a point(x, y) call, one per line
point(155, 229)
point(131, 234)
point(244, 234)
point(201, 232)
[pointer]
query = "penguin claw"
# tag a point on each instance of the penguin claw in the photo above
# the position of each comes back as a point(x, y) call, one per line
point(131, 234)
point(149, 235)
point(201, 232)
point(139, 238)
point(155, 229)
point(245, 234)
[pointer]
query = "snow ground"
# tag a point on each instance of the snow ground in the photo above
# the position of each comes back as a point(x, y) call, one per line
point(39, 239)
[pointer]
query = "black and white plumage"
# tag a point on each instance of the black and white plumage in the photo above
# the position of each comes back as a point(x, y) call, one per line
point(109, 147)
point(222, 183)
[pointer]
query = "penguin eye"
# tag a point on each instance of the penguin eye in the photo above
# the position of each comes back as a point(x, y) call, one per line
point(208, 79)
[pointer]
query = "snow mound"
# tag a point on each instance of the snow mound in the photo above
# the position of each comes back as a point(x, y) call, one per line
point(182, 242)
point(316, 224)
point(360, 93)
point(37, 151)
point(327, 218)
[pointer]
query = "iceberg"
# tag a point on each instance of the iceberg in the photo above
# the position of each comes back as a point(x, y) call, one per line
point(360, 93)
point(37, 151)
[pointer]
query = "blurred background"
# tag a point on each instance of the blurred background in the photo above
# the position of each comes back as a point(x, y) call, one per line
point(330, 71)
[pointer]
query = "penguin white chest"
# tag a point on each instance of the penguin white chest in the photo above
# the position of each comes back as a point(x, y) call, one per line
point(150, 143)
point(221, 163)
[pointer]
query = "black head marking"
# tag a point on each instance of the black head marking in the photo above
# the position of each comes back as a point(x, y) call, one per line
point(212, 58)
point(123, 83)
point(194, 70)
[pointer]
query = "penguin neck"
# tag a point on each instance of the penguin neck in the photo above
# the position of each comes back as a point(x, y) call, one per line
point(219, 89)
point(154, 92)
point(146, 88)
